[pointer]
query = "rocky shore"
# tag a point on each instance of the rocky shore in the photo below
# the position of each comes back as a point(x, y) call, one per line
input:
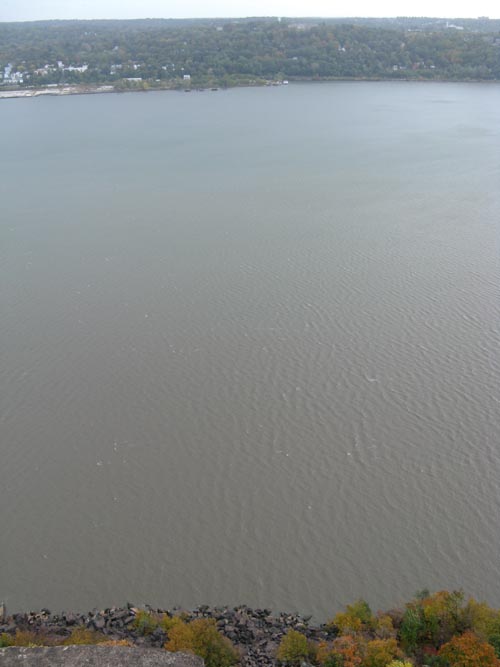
point(256, 633)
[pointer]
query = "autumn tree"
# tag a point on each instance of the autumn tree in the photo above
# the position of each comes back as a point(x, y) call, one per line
point(380, 652)
point(484, 621)
point(468, 650)
point(356, 618)
point(344, 651)
point(433, 620)
point(202, 638)
point(294, 648)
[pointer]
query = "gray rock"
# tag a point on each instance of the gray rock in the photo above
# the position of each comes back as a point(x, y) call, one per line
point(95, 656)
point(120, 614)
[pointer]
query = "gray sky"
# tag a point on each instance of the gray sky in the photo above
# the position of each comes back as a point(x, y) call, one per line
point(27, 10)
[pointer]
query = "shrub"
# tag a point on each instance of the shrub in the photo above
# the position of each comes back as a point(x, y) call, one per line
point(5, 640)
point(293, 648)
point(146, 622)
point(202, 638)
point(29, 639)
point(168, 622)
point(181, 638)
point(116, 642)
point(82, 636)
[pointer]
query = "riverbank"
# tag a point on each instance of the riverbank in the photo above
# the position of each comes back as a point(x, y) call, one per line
point(62, 91)
point(443, 626)
point(256, 633)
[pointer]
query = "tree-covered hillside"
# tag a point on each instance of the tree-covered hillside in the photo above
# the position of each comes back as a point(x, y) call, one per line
point(227, 52)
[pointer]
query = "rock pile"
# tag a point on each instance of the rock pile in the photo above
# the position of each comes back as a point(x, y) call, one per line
point(255, 632)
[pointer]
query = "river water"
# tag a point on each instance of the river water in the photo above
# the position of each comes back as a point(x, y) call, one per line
point(249, 346)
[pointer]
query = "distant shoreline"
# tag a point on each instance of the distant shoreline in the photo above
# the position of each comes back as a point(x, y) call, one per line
point(65, 90)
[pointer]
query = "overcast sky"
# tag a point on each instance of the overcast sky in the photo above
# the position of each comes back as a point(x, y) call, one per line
point(28, 10)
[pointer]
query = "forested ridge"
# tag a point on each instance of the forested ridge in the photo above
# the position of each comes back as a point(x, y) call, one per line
point(229, 52)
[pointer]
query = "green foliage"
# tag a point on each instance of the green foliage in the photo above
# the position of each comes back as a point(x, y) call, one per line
point(412, 628)
point(145, 622)
point(482, 619)
point(357, 617)
point(224, 53)
point(433, 620)
point(167, 622)
point(333, 660)
point(5, 640)
point(293, 649)
point(494, 640)
point(361, 609)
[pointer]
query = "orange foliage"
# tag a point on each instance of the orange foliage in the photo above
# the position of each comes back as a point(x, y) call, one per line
point(468, 650)
point(323, 651)
point(350, 649)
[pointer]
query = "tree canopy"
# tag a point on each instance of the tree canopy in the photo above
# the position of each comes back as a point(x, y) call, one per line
point(229, 51)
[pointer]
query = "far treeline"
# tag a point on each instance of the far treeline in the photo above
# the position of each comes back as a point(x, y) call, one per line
point(163, 53)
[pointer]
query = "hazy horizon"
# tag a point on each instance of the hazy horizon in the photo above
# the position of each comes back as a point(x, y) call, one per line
point(33, 10)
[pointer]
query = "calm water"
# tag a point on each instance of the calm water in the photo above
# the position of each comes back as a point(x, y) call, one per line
point(249, 346)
